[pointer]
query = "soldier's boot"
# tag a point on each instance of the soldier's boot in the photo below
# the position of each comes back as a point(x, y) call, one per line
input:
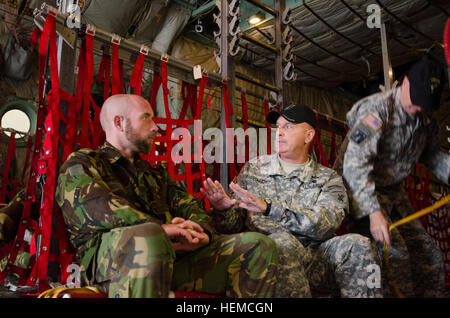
point(136, 261)
point(239, 265)
point(291, 278)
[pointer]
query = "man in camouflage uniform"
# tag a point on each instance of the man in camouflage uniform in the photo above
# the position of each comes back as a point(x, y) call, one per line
point(300, 204)
point(389, 133)
point(138, 232)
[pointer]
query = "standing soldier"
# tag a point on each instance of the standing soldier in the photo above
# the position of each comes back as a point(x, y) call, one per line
point(300, 204)
point(138, 233)
point(389, 133)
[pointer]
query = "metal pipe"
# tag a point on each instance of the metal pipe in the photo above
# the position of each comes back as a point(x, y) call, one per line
point(132, 46)
point(387, 66)
point(263, 6)
point(257, 82)
point(258, 42)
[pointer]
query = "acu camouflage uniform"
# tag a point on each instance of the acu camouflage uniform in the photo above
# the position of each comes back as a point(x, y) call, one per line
point(383, 143)
point(308, 206)
point(114, 209)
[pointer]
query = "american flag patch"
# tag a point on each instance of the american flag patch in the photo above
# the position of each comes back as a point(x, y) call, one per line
point(371, 121)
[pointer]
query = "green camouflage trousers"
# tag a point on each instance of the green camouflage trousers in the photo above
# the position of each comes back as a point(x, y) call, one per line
point(139, 261)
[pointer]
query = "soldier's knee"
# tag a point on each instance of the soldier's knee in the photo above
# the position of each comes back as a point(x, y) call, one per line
point(149, 238)
point(356, 249)
point(286, 242)
point(261, 241)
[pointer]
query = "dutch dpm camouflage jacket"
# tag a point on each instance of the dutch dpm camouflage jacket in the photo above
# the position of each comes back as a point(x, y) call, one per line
point(101, 190)
point(310, 202)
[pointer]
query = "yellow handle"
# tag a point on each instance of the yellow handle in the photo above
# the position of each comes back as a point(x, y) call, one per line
point(55, 292)
point(407, 219)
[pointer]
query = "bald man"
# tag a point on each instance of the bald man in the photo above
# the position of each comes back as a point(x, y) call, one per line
point(138, 233)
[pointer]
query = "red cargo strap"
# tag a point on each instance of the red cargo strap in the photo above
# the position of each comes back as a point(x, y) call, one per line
point(229, 140)
point(27, 158)
point(104, 73)
point(447, 41)
point(245, 124)
point(155, 87)
point(115, 69)
point(138, 72)
point(318, 145)
point(34, 37)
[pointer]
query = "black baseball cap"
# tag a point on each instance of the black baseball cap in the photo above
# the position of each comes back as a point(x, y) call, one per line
point(425, 84)
point(295, 114)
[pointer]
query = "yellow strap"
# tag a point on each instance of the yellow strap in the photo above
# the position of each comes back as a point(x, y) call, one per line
point(407, 219)
point(55, 292)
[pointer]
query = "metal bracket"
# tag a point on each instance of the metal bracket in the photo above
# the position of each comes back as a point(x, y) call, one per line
point(144, 50)
point(90, 29)
point(287, 35)
point(165, 57)
point(234, 25)
point(288, 56)
point(115, 39)
point(286, 16)
point(234, 47)
point(233, 8)
point(288, 72)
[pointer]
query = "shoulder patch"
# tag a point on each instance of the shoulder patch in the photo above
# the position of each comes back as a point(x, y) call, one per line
point(76, 170)
point(371, 121)
point(360, 134)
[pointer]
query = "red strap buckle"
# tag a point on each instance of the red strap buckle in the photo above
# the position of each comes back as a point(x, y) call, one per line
point(90, 30)
point(52, 13)
point(115, 39)
point(144, 50)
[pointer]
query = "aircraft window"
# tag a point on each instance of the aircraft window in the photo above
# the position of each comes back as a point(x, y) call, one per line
point(17, 120)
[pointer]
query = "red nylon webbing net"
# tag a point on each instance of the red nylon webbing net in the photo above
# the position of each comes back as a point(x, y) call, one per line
point(163, 147)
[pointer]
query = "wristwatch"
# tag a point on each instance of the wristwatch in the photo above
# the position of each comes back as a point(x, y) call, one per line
point(269, 205)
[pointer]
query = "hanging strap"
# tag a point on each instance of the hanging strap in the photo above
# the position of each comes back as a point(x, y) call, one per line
point(228, 111)
point(34, 37)
point(323, 158)
point(27, 159)
point(104, 73)
point(115, 66)
point(245, 124)
point(138, 71)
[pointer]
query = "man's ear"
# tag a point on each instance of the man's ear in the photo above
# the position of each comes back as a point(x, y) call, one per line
point(118, 122)
point(310, 135)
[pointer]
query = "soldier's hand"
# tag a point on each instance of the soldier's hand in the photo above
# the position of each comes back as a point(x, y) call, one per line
point(247, 200)
point(187, 224)
point(178, 234)
point(183, 242)
point(379, 228)
point(216, 195)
